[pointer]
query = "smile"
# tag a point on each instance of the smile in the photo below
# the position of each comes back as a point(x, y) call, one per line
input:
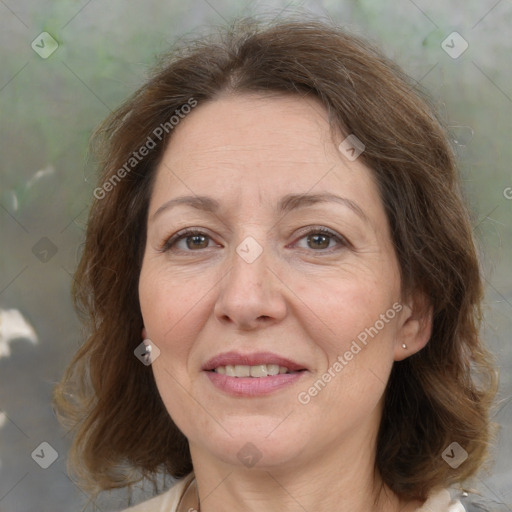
point(256, 371)
point(252, 375)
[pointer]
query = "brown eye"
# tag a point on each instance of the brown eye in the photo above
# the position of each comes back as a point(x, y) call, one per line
point(319, 241)
point(197, 241)
point(187, 240)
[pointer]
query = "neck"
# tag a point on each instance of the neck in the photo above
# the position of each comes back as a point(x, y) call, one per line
point(329, 481)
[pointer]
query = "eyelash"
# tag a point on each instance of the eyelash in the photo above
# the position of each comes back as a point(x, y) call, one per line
point(188, 232)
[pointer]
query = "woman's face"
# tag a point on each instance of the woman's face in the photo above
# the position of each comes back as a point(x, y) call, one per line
point(290, 269)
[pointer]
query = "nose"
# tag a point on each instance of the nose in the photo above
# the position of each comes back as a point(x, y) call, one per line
point(251, 294)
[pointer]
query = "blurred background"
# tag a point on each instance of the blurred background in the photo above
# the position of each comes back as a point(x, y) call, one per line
point(66, 64)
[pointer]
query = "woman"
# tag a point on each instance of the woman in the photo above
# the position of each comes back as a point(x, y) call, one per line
point(281, 286)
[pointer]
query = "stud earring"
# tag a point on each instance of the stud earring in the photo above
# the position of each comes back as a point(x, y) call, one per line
point(404, 346)
point(147, 353)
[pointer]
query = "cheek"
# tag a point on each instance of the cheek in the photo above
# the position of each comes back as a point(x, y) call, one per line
point(175, 308)
point(166, 300)
point(352, 324)
point(172, 311)
point(339, 309)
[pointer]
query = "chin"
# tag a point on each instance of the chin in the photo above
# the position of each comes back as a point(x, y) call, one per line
point(257, 442)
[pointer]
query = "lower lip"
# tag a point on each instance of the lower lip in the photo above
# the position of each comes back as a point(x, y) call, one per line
point(252, 386)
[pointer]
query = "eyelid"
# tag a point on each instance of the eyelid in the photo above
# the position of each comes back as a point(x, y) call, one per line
point(168, 243)
point(342, 241)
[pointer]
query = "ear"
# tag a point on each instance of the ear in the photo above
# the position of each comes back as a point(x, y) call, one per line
point(415, 326)
point(144, 333)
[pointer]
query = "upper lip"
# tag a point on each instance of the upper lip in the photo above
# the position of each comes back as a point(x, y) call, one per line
point(234, 358)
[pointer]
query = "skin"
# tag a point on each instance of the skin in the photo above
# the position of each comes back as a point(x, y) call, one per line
point(303, 299)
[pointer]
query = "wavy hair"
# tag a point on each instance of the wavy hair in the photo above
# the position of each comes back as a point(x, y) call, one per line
point(440, 395)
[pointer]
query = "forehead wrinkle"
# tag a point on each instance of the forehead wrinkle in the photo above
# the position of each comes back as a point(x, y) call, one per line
point(226, 159)
point(296, 140)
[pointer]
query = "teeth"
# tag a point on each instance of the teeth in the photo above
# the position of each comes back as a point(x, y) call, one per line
point(273, 369)
point(242, 371)
point(260, 370)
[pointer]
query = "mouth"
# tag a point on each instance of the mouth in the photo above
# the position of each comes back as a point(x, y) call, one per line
point(260, 364)
point(247, 375)
point(256, 371)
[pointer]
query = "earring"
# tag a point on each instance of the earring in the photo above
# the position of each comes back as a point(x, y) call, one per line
point(404, 346)
point(147, 353)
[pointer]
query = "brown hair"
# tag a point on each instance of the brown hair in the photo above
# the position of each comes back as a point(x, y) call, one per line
point(433, 398)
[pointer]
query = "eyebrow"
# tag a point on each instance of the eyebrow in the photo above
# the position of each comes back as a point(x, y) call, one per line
point(286, 204)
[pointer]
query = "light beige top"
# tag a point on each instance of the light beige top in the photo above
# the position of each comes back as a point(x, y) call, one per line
point(438, 501)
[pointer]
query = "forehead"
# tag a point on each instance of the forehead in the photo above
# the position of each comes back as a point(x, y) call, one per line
point(258, 147)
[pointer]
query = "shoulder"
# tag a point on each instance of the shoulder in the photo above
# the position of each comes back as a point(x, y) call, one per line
point(165, 502)
point(440, 501)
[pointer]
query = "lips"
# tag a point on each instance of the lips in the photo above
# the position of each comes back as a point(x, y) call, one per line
point(252, 375)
